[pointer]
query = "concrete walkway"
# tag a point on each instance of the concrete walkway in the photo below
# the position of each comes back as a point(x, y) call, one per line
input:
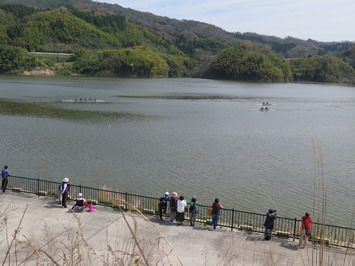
point(49, 234)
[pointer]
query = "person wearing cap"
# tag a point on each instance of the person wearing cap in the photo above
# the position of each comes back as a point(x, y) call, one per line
point(193, 210)
point(4, 178)
point(80, 201)
point(64, 189)
point(173, 206)
point(163, 203)
point(306, 230)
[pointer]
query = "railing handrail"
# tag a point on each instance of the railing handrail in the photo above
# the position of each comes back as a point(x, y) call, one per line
point(229, 218)
point(200, 205)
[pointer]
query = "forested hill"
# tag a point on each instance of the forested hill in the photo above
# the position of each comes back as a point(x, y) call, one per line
point(188, 30)
point(110, 40)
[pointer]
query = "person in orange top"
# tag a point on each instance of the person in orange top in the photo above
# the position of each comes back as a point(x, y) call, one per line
point(306, 230)
point(216, 207)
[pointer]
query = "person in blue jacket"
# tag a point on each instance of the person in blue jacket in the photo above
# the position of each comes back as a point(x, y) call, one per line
point(163, 204)
point(4, 178)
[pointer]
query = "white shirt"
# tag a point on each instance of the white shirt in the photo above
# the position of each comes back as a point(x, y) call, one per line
point(181, 204)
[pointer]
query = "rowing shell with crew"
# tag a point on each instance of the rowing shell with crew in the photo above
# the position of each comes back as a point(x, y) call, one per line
point(85, 100)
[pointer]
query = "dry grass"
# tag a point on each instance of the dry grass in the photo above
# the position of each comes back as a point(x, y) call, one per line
point(72, 244)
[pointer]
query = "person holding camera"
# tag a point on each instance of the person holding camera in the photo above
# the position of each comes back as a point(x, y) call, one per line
point(269, 223)
point(306, 230)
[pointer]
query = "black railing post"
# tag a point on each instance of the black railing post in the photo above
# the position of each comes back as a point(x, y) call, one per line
point(80, 189)
point(232, 220)
point(38, 187)
point(126, 200)
point(294, 229)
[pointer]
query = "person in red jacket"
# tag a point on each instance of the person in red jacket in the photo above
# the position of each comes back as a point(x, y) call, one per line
point(306, 230)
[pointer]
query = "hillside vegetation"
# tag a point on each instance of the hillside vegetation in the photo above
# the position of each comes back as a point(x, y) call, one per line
point(109, 40)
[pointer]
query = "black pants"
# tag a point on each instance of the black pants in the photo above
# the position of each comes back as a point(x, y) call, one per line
point(64, 199)
point(4, 184)
point(162, 209)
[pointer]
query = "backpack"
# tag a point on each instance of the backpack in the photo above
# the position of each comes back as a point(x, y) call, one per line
point(192, 207)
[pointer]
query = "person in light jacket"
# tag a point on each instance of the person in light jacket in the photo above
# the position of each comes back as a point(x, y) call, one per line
point(180, 211)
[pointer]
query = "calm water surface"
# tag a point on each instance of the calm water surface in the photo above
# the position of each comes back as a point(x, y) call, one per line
point(197, 137)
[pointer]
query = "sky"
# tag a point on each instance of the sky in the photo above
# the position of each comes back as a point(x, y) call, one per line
point(321, 20)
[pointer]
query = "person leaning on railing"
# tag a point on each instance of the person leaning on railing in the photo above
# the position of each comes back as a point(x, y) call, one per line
point(163, 204)
point(269, 224)
point(193, 210)
point(216, 207)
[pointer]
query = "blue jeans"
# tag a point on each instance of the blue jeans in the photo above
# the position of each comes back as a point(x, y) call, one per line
point(268, 230)
point(214, 220)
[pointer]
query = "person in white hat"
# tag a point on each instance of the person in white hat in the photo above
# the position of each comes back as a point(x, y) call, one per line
point(64, 189)
point(163, 204)
point(80, 201)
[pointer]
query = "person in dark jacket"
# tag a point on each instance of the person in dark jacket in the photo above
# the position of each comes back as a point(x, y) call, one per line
point(269, 223)
point(163, 203)
point(216, 207)
point(64, 189)
point(173, 206)
point(193, 210)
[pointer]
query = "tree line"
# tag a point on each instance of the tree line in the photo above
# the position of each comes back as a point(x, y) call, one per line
point(110, 45)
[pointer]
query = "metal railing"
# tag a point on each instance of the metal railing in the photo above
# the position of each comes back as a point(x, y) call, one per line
point(229, 218)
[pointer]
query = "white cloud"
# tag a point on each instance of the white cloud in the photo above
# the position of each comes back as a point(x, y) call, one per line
point(323, 20)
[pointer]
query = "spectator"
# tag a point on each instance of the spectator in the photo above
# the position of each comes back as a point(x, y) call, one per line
point(269, 223)
point(181, 208)
point(80, 201)
point(216, 207)
point(64, 189)
point(4, 178)
point(173, 206)
point(163, 204)
point(193, 210)
point(306, 230)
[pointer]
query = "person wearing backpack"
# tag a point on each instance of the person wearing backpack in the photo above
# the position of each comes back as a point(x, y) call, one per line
point(269, 223)
point(64, 189)
point(216, 207)
point(193, 210)
point(163, 203)
point(306, 230)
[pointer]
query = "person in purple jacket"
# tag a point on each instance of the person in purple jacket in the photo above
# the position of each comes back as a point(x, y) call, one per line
point(4, 178)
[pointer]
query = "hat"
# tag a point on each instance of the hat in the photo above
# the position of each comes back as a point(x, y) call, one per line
point(66, 179)
point(80, 195)
point(166, 193)
point(175, 194)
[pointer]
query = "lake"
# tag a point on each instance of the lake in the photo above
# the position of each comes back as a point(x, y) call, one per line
point(193, 136)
